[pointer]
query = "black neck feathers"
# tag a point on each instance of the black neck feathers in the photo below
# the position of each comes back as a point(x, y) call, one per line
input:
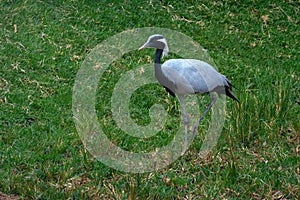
point(158, 55)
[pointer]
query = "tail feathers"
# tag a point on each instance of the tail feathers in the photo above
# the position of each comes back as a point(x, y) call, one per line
point(229, 93)
point(228, 90)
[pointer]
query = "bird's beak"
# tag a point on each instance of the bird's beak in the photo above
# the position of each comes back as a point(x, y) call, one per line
point(143, 47)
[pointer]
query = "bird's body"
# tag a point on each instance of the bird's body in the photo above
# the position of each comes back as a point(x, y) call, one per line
point(187, 76)
point(191, 76)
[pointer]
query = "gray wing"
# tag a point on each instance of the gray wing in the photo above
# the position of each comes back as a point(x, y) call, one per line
point(193, 76)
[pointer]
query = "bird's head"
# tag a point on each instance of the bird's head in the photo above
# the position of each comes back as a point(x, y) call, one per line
point(157, 41)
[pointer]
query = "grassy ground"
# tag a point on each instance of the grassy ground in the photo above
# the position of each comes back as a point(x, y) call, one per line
point(255, 43)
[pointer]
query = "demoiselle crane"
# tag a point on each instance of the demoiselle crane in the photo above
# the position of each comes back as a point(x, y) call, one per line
point(187, 76)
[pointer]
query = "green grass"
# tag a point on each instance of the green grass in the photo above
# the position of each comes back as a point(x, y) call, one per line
point(41, 154)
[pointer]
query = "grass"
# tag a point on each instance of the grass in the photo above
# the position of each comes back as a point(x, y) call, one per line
point(255, 43)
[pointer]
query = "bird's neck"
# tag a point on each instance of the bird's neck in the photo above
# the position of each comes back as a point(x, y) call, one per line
point(158, 55)
point(162, 79)
point(157, 66)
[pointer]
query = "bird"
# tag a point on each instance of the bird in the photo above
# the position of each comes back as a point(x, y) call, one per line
point(187, 77)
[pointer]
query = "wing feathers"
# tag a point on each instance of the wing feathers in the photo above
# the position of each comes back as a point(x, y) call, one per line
point(194, 76)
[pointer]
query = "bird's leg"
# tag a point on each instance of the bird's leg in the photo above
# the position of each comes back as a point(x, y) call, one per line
point(186, 122)
point(213, 101)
